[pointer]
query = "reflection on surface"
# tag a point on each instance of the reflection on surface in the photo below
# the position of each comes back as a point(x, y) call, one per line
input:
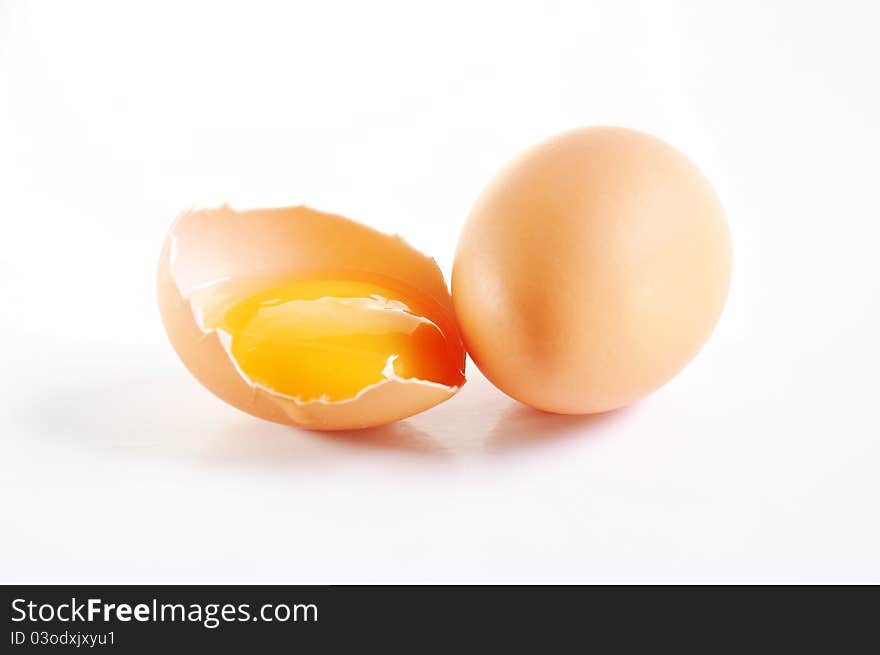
point(166, 413)
point(521, 425)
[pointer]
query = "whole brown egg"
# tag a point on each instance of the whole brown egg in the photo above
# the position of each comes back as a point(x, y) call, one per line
point(591, 270)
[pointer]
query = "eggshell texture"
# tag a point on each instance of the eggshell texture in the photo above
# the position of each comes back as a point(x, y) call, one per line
point(591, 270)
point(208, 247)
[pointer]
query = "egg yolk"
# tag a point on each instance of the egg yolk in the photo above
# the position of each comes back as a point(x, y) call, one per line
point(328, 339)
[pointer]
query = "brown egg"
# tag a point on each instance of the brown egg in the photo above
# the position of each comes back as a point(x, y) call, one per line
point(308, 319)
point(591, 270)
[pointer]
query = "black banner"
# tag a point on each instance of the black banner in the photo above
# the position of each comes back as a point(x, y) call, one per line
point(134, 619)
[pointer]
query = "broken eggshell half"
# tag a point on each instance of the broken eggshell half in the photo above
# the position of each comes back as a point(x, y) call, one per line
point(307, 318)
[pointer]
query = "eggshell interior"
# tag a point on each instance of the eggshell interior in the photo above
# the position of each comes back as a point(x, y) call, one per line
point(210, 247)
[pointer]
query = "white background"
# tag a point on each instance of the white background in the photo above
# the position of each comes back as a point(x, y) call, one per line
point(758, 463)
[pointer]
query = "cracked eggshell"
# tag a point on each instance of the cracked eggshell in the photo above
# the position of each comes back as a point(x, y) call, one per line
point(591, 270)
point(207, 247)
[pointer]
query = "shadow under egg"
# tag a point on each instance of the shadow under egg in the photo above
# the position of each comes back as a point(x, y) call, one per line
point(141, 412)
point(522, 426)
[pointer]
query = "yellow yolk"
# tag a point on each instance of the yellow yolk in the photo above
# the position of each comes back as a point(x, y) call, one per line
point(328, 339)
